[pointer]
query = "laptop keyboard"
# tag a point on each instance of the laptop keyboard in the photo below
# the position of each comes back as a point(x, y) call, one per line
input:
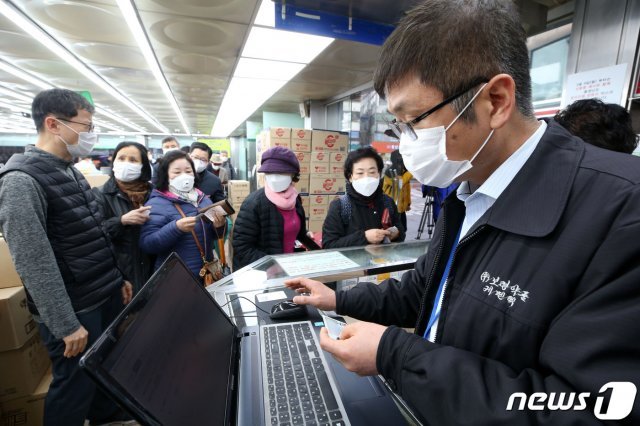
point(297, 389)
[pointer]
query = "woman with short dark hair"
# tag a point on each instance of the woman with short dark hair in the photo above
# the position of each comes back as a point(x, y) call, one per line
point(364, 215)
point(173, 225)
point(121, 201)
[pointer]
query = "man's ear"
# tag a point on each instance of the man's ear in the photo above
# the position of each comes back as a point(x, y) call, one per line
point(501, 90)
point(51, 124)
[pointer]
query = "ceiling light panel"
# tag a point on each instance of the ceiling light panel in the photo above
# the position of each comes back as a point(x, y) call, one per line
point(17, 16)
point(135, 25)
point(276, 45)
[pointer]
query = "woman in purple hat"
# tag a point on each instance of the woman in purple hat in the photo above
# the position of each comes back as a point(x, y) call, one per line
point(272, 218)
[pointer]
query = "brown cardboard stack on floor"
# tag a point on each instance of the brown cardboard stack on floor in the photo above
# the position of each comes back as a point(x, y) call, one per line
point(237, 191)
point(327, 182)
point(24, 379)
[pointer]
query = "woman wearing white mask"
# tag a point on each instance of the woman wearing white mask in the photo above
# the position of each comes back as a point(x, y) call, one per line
point(364, 215)
point(272, 218)
point(121, 201)
point(173, 225)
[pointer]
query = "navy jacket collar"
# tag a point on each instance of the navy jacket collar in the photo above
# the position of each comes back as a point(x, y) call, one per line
point(535, 200)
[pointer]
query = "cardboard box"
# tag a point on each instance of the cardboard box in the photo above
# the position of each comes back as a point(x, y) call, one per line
point(329, 141)
point(269, 142)
point(337, 157)
point(303, 185)
point(319, 157)
point(239, 185)
point(326, 184)
point(336, 169)
point(301, 134)
point(97, 180)
point(21, 369)
point(306, 204)
point(279, 133)
point(304, 158)
point(276, 136)
point(16, 323)
point(315, 225)
point(319, 200)
point(318, 212)
point(301, 140)
point(236, 203)
point(28, 410)
point(9, 276)
point(238, 188)
point(316, 168)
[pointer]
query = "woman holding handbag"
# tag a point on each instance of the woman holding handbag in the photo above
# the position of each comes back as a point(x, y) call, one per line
point(174, 223)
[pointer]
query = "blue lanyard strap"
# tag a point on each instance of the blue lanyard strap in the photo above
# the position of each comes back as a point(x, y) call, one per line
point(435, 312)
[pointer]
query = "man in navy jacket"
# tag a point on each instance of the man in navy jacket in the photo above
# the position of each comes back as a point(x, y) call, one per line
point(526, 306)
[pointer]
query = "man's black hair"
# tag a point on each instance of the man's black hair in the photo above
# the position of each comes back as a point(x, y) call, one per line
point(607, 126)
point(162, 183)
point(60, 103)
point(359, 154)
point(449, 44)
point(202, 146)
point(145, 175)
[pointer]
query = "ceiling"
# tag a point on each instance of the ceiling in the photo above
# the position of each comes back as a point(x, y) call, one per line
point(197, 44)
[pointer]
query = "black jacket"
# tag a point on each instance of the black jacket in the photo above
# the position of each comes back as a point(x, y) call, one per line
point(364, 216)
point(259, 229)
point(563, 240)
point(211, 185)
point(82, 249)
point(135, 265)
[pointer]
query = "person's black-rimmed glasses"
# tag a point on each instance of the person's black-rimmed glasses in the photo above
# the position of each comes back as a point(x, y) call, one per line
point(400, 127)
point(89, 125)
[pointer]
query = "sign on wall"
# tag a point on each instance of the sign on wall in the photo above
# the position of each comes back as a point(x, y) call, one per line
point(606, 84)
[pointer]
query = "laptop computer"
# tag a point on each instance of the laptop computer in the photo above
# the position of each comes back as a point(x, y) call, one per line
point(173, 357)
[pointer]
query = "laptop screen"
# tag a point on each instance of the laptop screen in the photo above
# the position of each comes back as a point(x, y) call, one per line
point(170, 353)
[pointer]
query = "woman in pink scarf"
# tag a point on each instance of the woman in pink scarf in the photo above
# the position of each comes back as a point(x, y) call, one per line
point(272, 218)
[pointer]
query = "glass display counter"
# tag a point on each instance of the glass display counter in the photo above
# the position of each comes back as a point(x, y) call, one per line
point(263, 280)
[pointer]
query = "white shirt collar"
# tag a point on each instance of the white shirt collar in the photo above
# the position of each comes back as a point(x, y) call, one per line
point(495, 185)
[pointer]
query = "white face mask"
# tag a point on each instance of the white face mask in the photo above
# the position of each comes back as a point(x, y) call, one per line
point(223, 158)
point(126, 172)
point(165, 150)
point(366, 185)
point(215, 167)
point(200, 165)
point(183, 182)
point(86, 142)
point(426, 157)
point(278, 183)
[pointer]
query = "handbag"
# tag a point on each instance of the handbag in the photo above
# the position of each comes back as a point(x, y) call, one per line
point(212, 270)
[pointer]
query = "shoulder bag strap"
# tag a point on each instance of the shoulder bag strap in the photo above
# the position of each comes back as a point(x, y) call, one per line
point(193, 233)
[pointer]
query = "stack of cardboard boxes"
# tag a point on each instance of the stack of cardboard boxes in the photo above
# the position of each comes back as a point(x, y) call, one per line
point(24, 362)
point(321, 155)
point(237, 191)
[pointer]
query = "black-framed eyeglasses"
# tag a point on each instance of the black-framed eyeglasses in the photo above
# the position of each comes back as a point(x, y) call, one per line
point(400, 127)
point(89, 125)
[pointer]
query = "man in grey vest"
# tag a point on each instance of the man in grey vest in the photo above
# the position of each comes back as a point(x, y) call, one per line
point(52, 225)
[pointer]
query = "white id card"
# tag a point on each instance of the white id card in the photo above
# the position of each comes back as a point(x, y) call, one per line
point(334, 327)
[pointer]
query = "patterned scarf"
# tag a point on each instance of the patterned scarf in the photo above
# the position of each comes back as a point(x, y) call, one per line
point(136, 191)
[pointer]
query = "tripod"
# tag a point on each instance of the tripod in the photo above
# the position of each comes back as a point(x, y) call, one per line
point(427, 215)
